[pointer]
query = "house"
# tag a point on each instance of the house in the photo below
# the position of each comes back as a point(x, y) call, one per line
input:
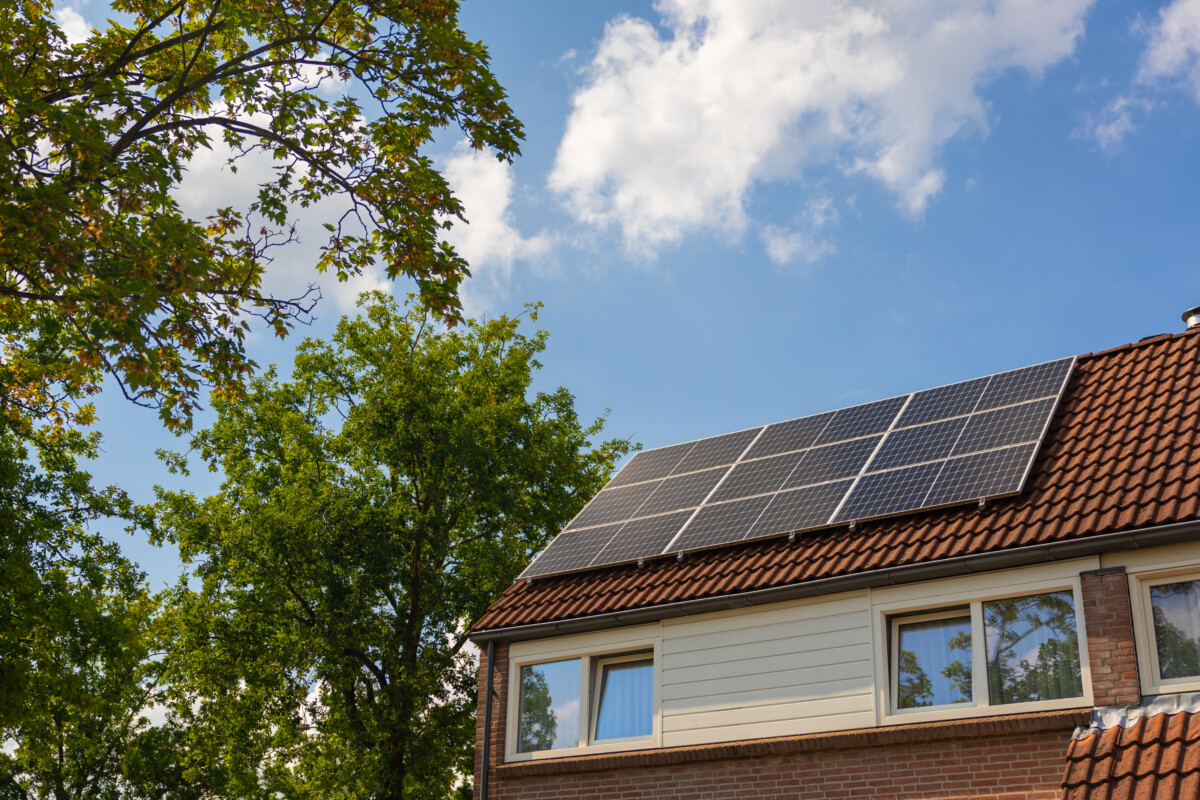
point(1041, 644)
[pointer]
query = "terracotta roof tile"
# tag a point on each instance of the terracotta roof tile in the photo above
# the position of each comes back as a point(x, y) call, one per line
point(1122, 453)
point(1156, 757)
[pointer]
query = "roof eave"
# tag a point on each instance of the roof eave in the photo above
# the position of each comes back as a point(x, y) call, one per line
point(890, 576)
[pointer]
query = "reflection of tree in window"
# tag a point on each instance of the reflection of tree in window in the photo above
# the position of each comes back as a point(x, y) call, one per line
point(914, 687)
point(1176, 625)
point(929, 671)
point(959, 671)
point(537, 725)
point(1032, 648)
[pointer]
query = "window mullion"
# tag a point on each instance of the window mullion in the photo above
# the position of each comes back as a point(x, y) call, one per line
point(979, 677)
point(585, 700)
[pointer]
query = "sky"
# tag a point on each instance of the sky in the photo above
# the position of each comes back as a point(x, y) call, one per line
point(742, 211)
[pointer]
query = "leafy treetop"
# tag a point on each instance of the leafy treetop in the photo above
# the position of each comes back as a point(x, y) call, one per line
point(102, 273)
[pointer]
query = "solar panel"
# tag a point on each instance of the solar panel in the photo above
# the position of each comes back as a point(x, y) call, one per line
point(757, 477)
point(784, 437)
point(947, 445)
point(720, 523)
point(685, 491)
point(642, 537)
point(717, 451)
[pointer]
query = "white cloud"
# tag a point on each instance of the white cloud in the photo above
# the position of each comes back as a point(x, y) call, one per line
point(1109, 128)
point(672, 130)
point(73, 25)
point(1173, 52)
point(489, 241)
point(803, 242)
point(209, 184)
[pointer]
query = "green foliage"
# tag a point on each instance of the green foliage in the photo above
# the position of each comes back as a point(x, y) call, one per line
point(75, 667)
point(371, 509)
point(537, 726)
point(102, 273)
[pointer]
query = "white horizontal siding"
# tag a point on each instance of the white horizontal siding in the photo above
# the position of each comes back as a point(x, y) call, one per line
point(772, 671)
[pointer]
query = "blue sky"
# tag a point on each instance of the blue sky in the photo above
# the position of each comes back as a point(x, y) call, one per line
point(741, 212)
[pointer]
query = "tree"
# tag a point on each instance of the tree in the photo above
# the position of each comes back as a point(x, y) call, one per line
point(75, 625)
point(101, 272)
point(371, 508)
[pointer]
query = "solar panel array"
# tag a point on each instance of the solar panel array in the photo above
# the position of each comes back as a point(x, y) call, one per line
point(938, 447)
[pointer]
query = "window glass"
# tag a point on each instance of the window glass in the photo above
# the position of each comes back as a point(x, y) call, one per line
point(626, 707)
point(549, 706)
point(1176, 609)
point(934, 666)
point(1032, 648)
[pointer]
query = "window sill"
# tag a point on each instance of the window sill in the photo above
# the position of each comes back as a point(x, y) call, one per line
point(974, 712)
point(592, 749)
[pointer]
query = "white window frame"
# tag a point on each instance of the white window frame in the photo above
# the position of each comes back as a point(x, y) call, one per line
point(598, 665)
point(894, 674)
point(592, 650)
point(1143, 629)
point(948, 597)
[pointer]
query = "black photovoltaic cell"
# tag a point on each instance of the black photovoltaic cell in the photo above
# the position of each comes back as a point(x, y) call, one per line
point(1041, 380)
point(757, 477)
point(795, 434)
point(864, 420)
point(952, 444)
point(1005, 426)
point(685, 491)
point(914, 445)
point(641, 538)
point(832, 462)
point(981, 475)
point(943, 402)
point(808, 507)
point(571, 550)
point(717, 451)
point(884, 493)
point(613, 505)
point(724, 522)
point(650, 464)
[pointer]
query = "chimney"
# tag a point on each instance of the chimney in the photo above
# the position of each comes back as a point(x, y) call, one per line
point(1192, 317)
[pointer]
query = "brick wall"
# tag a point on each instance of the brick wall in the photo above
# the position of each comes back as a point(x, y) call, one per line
point(499, 701)
point(1111, 650)
point(1026, 766)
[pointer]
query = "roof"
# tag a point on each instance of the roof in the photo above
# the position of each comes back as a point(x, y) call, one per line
point(1120, 454)
point(1156, 756)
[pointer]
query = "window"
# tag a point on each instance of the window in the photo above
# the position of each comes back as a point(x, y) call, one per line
point(1175, 618)
point(548, 715)
point(604, 702)
point(624, 698)
point(989, 653)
